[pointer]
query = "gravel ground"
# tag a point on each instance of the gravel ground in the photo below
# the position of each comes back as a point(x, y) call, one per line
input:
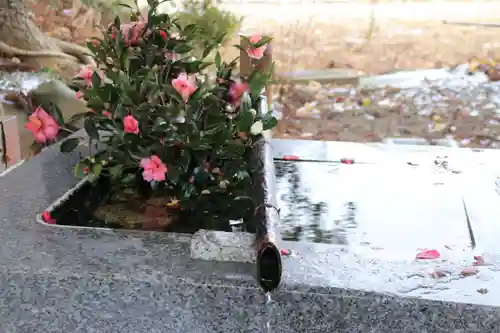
point(458, 106)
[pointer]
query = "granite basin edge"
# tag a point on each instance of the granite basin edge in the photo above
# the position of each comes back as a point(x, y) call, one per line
point(204, 244)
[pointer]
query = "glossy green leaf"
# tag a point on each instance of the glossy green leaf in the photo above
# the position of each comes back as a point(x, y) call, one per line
point(69, 145)
point(91, 129)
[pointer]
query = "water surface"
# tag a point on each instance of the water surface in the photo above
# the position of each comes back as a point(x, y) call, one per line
point(398, 208)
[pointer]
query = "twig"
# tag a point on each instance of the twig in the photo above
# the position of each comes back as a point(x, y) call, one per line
point(473, 24)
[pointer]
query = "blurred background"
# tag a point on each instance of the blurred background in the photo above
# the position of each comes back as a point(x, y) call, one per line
point(349, 70)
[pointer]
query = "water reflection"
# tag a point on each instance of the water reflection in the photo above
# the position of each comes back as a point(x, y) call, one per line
point(307, 215)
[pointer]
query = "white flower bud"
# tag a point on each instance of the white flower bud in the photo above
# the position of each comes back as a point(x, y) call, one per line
point(223, 184)
point(257, 128)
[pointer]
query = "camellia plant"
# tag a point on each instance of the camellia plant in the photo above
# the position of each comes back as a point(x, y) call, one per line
point(165, 128)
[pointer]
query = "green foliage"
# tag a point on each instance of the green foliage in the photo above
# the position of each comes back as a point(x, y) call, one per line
point(211, 21)
point(200, 130)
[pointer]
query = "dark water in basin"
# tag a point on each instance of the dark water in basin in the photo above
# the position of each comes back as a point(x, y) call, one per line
point(305, 215)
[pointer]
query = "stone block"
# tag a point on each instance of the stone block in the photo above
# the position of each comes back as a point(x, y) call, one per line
point(10, 148)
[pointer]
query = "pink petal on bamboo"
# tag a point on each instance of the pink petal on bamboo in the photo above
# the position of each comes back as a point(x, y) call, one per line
point(256, 52)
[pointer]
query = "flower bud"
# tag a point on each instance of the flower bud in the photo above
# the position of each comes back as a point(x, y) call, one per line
point(257, 128)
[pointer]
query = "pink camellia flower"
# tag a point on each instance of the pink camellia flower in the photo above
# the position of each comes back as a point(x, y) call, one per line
point(132, 32)
point(163, 34)
point(107, 114)
point(185, 85)
point(43, 126)
point(236, 91)
point(86, 73)
point(256, 52)
point(130, 125)
point(154, 169)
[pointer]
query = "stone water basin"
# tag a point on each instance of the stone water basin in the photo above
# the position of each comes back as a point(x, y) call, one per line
point(362, 225)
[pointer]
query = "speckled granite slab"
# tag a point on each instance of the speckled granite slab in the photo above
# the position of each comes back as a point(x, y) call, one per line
point(70, 280)
point(223, 246)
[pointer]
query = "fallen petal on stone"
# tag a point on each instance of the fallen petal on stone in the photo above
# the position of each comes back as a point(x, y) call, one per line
point(428, 254)
point(468, 271)
point(438, 274)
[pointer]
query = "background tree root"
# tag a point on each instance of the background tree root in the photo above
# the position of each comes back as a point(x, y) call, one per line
point(21, 38)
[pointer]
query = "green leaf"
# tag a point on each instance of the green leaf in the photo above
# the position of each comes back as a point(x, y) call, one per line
point(190, 29)
point(196, 96)
point(257, 83)
point(124, 5)
point(157, 20)
point(240, 48)
point(97, 169)
point(79, 116)
point(217, 59)
point(185, 160)
point(128, 179)
point(69, 145)
point(182, 48)
point(263, 41)
point(115, 172)
point(80, 169)
point(214, 129)
point(269, 121)
point(201, 144)
point(56, 113)
point(207, 51)
point(188, 190)
point(116, 23)
point(172, 93)
point(174, 173)
point(91, 129)
point(245, 119)
point(95, 103)
point(106, 92)
point(96, 79)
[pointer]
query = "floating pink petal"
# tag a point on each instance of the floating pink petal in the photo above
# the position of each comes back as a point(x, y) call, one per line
point(428, 254)
point(346, 161)
point(285, 252)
